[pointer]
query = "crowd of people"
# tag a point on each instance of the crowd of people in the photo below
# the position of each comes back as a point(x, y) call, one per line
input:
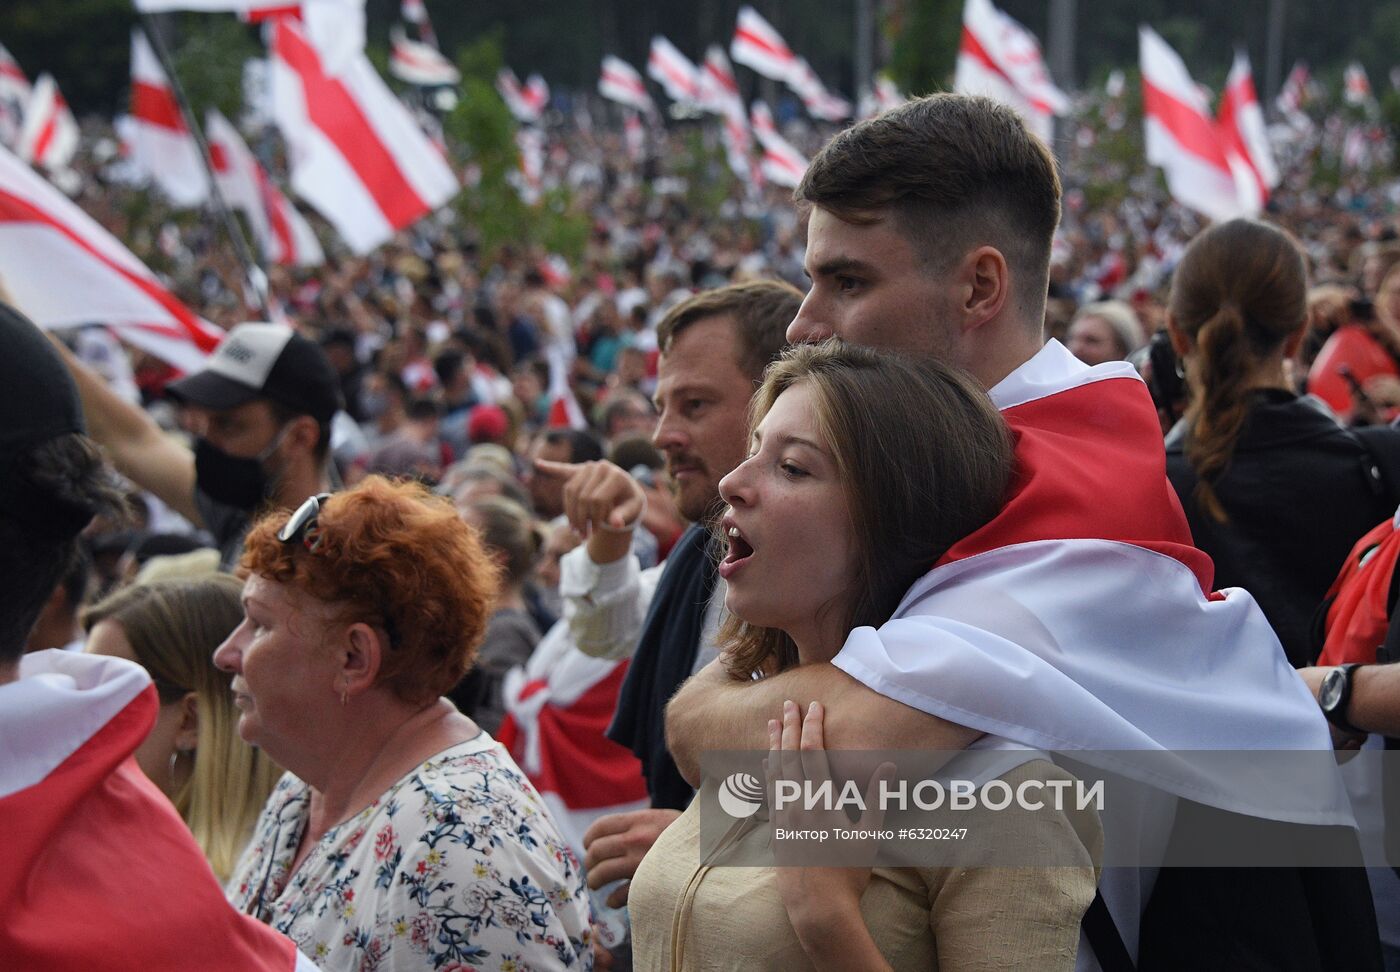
point(929, 457)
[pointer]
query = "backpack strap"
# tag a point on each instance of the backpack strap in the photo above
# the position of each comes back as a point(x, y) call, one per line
point(1104, 937)
point(1381, 463)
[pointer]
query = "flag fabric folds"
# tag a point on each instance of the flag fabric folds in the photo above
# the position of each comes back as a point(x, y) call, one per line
point(282, 233)
point(758, 45)
point(999, 58)
point(719, 93)
point(65, 270)
point(48, 136)
point(525, 102)
point(671, 69)
point(161, 144)
point(14, 95)
point(1241, 126)
point(357, 156)
point(419, 63)
point(620, 82)
point(782, 164)
point(1181, 136)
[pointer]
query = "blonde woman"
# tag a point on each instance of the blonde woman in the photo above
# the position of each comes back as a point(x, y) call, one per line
point(217, 782)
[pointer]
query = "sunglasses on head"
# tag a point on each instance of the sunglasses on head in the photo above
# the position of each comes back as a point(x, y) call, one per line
point(301, 525)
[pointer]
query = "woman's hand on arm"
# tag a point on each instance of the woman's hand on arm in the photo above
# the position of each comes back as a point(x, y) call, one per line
point(714, 712)
point(823, 903)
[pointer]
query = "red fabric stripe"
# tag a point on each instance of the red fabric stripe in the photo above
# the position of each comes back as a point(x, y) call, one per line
point(13, 209)
point(781, 53)
point(578, 762)
point(334, 111)
point(101, 872)
point(273, 201)
point(1090, 466)
point(218, 157)
point(1228, 129)
point(1192, 130)
point(45, 139)
point(156, 105)
point(974, 49)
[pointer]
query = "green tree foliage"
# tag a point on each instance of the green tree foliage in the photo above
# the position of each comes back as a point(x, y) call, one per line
point(492, 207)
point(925, 37)
point(208, 55)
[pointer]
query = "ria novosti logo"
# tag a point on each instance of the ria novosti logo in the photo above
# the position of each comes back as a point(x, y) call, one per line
point(740, 795)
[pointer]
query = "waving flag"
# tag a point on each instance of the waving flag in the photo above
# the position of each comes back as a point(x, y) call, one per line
point(672, 70)
point(1294, 93)
point(14, 95)
point(49, 134)
point(283, 235)
point(819, 102)
point(620, 82)
point(999, 58)
point(719, 93)
point(415, 12)
point(757, 45)
point(782, 164)
point(530, 144)
point(161, 144)
point(1356, 86)
point(525, 103)
point(66, 270)
point(356, 153)
point(419, 63)
point(558, 707)
point(1181, 136)
point(1241, 126)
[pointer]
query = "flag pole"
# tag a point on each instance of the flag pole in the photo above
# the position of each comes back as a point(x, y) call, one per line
point(253, 272)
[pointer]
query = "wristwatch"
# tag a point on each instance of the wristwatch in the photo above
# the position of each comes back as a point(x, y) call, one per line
point(1335, 695)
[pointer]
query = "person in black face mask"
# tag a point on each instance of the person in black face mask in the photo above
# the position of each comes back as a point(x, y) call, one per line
point(263, 405)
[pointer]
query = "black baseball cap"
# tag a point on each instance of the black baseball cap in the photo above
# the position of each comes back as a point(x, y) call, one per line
point(269, 361)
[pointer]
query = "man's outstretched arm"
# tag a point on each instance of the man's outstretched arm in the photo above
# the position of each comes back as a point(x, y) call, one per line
point(713, 711)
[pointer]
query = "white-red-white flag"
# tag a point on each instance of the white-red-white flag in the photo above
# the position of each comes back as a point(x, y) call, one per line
point(530, 143)
point(526, 102)
point(634, 136)
point(65, 270)
point(887, 96)
point(819, 102)
point(1241, 126)
point(1000, 59)
point(1181, 136)
point(1294, 93)
point(160, 142)
point(671, 69)
point(356, 155)
point(782, 164)
point(758, 45)
point(1356, 86)
point(564, 409)
point(620, 82)
point(283, 235)
point(15, 90)
point(419, 63)
point(719, 93)
point(48, 135)
point(416, 13)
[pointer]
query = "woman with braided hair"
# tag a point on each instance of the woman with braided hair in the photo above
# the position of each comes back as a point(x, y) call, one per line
point(1276, 491)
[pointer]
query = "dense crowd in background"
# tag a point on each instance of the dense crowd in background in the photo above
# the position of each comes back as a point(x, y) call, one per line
point(480, 372)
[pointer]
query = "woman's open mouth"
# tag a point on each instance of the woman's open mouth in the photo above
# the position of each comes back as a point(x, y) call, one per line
point(739, 552)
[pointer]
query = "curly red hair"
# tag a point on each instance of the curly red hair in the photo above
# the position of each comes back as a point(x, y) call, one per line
point(402, 559)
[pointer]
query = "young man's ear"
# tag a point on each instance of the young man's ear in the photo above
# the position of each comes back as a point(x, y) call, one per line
point(305, 432)
point(986, 281)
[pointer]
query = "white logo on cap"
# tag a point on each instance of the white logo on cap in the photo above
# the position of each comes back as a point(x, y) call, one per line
point(249, 352)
